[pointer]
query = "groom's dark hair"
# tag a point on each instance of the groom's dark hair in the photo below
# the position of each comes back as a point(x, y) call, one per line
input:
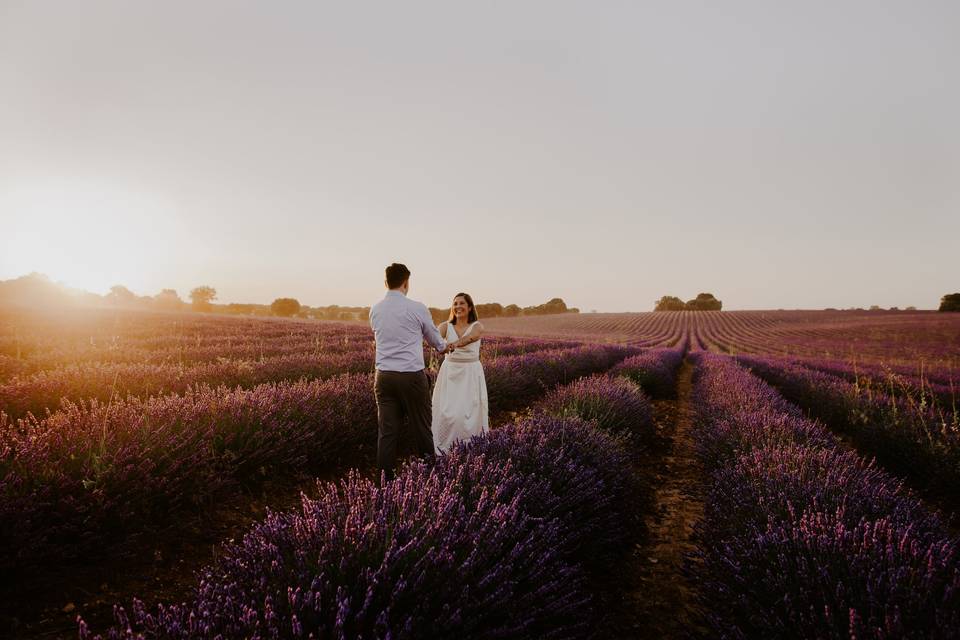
point(397, 274)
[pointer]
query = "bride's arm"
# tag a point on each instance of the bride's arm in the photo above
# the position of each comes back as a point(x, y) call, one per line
point(473, 334)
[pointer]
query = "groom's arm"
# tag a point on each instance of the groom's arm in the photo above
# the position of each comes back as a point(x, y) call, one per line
point(430, 332)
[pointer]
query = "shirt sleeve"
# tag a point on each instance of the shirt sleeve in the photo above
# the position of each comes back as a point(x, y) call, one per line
point(430, 333)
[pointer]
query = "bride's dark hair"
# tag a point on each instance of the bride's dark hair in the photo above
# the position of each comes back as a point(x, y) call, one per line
point(471, 312)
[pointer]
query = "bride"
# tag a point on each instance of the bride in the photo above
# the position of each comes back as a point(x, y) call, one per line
point(460, 392)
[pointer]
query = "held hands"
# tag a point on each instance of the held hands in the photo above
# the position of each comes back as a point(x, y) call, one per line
point(451, 347)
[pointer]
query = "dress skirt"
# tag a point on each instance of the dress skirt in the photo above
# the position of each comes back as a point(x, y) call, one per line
point(459, 402)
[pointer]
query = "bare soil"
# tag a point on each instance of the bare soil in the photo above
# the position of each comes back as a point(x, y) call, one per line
point(656, 599)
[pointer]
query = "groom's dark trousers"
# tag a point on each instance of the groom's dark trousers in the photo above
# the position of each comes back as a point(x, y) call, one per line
point(402, 394)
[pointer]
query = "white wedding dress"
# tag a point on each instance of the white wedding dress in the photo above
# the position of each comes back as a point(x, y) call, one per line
point(459, 395)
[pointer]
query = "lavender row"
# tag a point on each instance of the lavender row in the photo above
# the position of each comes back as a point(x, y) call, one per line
point(893, 381)
point(89, 477)
point(44, 391)
point(30, 342)
point(212, 351)
point(516, 381)
point(495, 540)
point(800, 538)
point(27, 335)
point(93, 474)
point(922, 443)
point(613, 403)
point(192, 354)
point(655, 370)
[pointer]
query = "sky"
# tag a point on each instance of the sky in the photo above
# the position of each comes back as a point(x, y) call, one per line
point(776, 154)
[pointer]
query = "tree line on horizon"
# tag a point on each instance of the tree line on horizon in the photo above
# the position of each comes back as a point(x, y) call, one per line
point(703, 302)
point(37, 288)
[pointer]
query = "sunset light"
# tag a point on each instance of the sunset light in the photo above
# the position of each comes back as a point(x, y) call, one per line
point(87, 235)
point(574, 320)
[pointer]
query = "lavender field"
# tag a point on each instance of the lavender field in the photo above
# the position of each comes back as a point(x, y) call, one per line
point(170, 475)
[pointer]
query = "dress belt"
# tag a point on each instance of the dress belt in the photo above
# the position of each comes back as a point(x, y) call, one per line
point(463, 358)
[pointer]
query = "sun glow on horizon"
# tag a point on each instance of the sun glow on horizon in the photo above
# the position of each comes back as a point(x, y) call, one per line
point(85, 235)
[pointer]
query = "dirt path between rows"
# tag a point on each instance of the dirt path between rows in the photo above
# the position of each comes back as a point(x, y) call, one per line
point(658, 601)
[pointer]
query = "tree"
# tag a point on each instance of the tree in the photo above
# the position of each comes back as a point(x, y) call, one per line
point(489, 310)
point(704, 302)
point(950, 302)
point(511, 311)
point(554, 305)
point(201, 297)
point(285, 307)
point(120, 295)
point(168, 300)
point(669, 303)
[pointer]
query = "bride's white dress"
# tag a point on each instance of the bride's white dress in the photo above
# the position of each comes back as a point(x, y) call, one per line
point(459, 395)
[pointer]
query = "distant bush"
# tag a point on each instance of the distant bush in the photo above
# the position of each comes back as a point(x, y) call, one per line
point(201, 297)
point(950, 302)
point(496, 310)
point(285, 307)
point(168, 300)
point(670, 303)
point(703, 302)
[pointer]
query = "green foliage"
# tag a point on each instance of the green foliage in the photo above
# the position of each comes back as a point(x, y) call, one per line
point(950, 302)
point(120, 295)
point(202, 296)
point(489, 310)
point(285, 307)
point(703, 302)
point(168, 300)
point(555, 305)
point(497, 310)
point(670, 303)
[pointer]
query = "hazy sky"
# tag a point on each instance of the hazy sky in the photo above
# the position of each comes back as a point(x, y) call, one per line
point(801, 154)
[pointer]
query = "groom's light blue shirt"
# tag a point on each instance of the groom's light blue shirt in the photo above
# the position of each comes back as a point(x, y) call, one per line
point(400, 325)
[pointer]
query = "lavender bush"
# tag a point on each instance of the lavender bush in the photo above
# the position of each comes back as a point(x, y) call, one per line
point(802, 539)
point(655, 370)
point(486, 543)
point(43, 391)
point(92, 475)
point(615, 404)
point(514, 382)
point(912, 440)
point(587, 485)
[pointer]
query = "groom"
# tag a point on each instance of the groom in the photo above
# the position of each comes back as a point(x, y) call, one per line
point(401, 385)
